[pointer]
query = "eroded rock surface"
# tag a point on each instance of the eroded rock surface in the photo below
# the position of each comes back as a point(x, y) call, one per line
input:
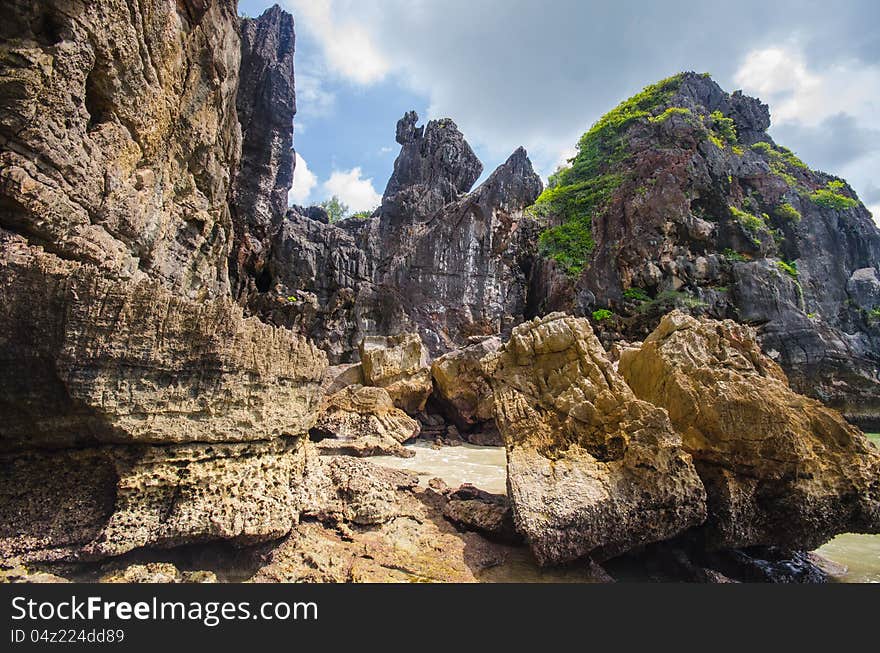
point(399, 364)
point(462, 385)
point(120, 136)
point(592, 470)
point(780, 469)
point(141, 408)
point(363, 421)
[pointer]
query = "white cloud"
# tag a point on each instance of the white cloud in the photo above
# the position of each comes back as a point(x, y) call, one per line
point(311, 95)
point(304, 180)
point(782, 77)
point(347, 45)
point(359, 194)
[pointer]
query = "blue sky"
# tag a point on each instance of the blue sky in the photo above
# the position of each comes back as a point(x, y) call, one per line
point(517, 72)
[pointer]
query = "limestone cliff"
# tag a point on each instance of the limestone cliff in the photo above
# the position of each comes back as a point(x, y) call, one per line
point(680, 198)
point(434, 257)
point(140, 407)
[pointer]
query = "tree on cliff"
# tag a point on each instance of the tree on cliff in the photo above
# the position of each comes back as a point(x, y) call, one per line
point(336, 209)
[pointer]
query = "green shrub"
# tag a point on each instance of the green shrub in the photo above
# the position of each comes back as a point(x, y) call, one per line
point(569, 244)
point(602, 314)
point(789, 268)
point(751, 222)
point(363, 215)
point(336, 209)
point(874, 313)
point(829, 198)
point(723, 127)
point(636, 294)
point(671, 111)
point(786, 211)
point(781, 160)
point(735, 256)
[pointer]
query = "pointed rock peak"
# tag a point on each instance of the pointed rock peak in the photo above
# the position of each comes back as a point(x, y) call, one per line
point(514, 184)
point(435, 160)
point(407, 131)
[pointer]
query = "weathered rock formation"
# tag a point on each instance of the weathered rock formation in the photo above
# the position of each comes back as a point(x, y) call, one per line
point(686, 201)
point(779, 469)
point(399, 364)
point(432, 258)
point(463, 392)
point(363, 421)
point(141, 408)
point(266, 105)
point(591, 469)
point(119, 136)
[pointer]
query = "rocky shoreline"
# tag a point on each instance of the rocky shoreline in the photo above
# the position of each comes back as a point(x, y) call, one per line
point(193, 373)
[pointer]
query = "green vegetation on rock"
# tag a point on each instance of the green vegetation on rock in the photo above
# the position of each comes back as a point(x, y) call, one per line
point(789, 268)
point(602, 314)
point(787, 212)
point(669, 299)
point(578, 192)
point(723, 129)
point(636, 294)
point(735, 256)
point(671, 111)
point(752, 222)
point(829, 198)
point(363, 215)
point(782, 161)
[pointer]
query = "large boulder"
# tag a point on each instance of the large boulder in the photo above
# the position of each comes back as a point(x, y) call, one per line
point(461, 385)
point(400, 365)
point(591, 469)
point(779, 468)
point(363, 421)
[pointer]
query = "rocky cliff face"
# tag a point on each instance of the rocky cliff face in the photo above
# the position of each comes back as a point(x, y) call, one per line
point(680, 198)
point(117, 150)
point(141, 408)
point(266, 105)
point(435, 258)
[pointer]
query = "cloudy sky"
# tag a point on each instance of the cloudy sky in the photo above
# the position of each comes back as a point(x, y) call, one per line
point(538, 74)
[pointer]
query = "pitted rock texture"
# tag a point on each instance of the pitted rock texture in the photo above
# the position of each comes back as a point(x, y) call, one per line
point(266, 105)
point(363, 421)
point(140, 407)
point(591, 469)
point(116, 498)
point(780, 469)
point(365, 523)
point(118, 136)
point(98, 360)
